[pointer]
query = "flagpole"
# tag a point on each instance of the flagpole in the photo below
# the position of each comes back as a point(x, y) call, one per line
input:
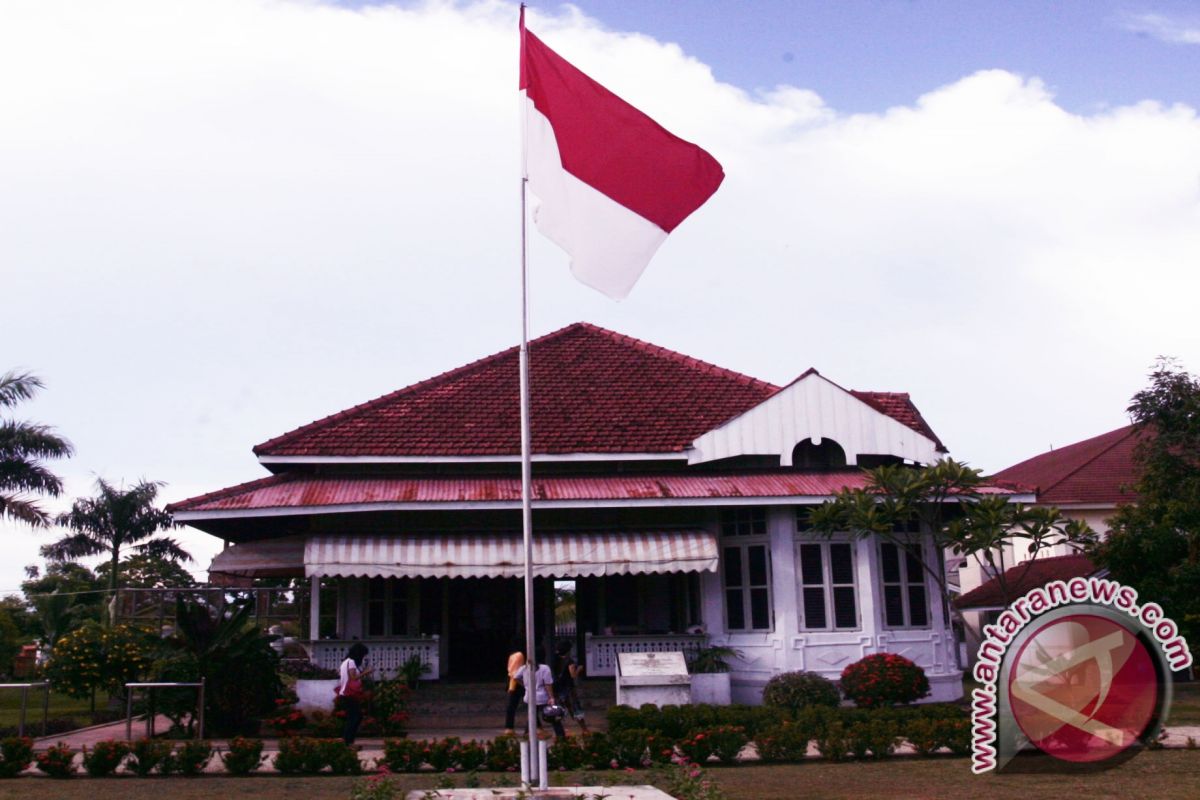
point(526, 465)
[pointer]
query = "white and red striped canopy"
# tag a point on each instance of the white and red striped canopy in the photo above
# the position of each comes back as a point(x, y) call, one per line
point(497, 555)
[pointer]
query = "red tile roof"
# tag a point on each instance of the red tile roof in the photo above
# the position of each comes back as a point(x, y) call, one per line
point(1025, 577)
point(1092, 471)
point(299, 491)
point(592, 391)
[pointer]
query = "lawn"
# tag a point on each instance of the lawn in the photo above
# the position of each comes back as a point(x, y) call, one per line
point(60, 706)
point(1185, 707)
point(1168, 775)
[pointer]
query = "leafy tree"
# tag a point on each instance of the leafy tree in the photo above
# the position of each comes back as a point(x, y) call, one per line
point(23, 447)
point(91, 657)
point(142, 571)
point(1154, 543)
point(67, 595)
point(10, 642)
point(22, 615)
point(946, 502)
point(233, 656)
point(113, 520)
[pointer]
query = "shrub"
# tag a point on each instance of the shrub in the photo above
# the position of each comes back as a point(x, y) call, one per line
point(629, 748)
point(57, 761)
point(832, 742)
point(16, 754)
point(795, 691)
point(294, 756)
point(696, 746)
point(922, 734)
point(504, 754)
point(304, 669)
point(468, 756)
point(752, 718)
point(876, 737)
point(189, 758)
point(436, 753)
point(727, 742)
point(622, 718)
point(597, 751)
point(884, 679)
point(379, 786)
point(104, 758)
point(567, 754)
point(244, 755)
point(784, 743)
point(955, 734)
point(660, 749)
point(389, 704)
point(145, 755)
point(341, 758)
point(404, 755)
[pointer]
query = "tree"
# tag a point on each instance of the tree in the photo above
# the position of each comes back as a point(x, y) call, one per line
point(1153, 544)
point(142, 571)
point(23, 446)
point(114, 520)
point(67, 595)
point(945, 501)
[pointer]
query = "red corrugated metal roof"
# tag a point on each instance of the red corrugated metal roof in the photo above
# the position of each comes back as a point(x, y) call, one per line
point(1092, 471)
point(288, 491)
point(592, 391)
point(1025, 577)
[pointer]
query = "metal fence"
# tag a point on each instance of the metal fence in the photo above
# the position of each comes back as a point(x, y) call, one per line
point(25, 687)
point(272, 606)
point(130, 688)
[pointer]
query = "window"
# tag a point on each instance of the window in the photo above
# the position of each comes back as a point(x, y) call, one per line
point(827, 593)
point(387, 607)
point(905, 600)
point(746, 569)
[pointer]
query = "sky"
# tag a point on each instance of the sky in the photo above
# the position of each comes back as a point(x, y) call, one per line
point(222, 220)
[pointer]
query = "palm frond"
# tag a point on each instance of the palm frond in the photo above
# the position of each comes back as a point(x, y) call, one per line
point(31, 440)
point(28, 476)
point(73, 546)
point(164, 547)
point(17, 386)
point(22, 510)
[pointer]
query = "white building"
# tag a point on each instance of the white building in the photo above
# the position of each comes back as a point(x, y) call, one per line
point(673, 492)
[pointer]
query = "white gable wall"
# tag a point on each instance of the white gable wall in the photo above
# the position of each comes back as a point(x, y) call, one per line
point(812, 408)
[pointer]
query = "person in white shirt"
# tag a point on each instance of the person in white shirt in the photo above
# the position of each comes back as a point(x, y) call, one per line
point(542, 695)
point(350, 689)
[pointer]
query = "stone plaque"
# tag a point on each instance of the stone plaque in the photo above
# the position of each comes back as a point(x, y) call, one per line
point(651, 664)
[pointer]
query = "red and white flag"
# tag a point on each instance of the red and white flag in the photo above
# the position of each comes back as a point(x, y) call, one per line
point(612, 182)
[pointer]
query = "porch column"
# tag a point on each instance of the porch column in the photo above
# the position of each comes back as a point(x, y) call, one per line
point(314, 608)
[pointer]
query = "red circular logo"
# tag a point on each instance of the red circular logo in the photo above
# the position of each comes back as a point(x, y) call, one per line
point(1083, 688)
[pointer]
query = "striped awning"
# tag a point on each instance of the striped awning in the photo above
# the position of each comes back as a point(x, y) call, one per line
point(269, 558)
point(499, 555)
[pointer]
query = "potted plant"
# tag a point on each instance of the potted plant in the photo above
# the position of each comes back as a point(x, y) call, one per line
point(412, 669)
point(314, 686)
point(709, 667)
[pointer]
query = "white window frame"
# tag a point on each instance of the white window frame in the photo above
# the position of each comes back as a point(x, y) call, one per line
point(827, 585)
point(906, 581)
point(737, 532)
point(391, 586)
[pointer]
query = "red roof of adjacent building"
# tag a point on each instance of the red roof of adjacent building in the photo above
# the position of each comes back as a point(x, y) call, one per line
point(305, 491)
point(1096, 470)
point(1025, 577)
point(592, 391)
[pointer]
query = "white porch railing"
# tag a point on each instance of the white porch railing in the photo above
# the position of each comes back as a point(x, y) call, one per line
point(385, 655)
point(602, 650)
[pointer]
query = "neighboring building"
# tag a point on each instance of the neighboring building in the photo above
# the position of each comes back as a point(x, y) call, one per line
point(672, 492)
point(1086, 481)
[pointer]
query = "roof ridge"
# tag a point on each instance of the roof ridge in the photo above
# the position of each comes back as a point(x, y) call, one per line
point(682, 359)
point(441, 377)
point(1129, 432)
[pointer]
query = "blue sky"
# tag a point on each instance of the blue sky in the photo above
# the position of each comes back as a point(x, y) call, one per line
point(867, 55)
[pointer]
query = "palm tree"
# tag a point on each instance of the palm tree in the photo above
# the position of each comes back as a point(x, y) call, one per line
point(113, 520)
point(23, 445)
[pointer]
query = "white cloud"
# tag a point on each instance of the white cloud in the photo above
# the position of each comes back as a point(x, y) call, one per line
point(1163, 27)
point(224, 219)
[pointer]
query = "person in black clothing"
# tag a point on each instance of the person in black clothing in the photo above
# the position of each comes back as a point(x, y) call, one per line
point(566, 674)
point(350, 689)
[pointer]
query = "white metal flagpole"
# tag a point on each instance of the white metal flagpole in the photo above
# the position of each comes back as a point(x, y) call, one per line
point(526, 466)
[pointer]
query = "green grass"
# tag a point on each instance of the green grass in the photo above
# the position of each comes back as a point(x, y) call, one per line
point(1185, 707)
point(60, 706)
point(1169, 775)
